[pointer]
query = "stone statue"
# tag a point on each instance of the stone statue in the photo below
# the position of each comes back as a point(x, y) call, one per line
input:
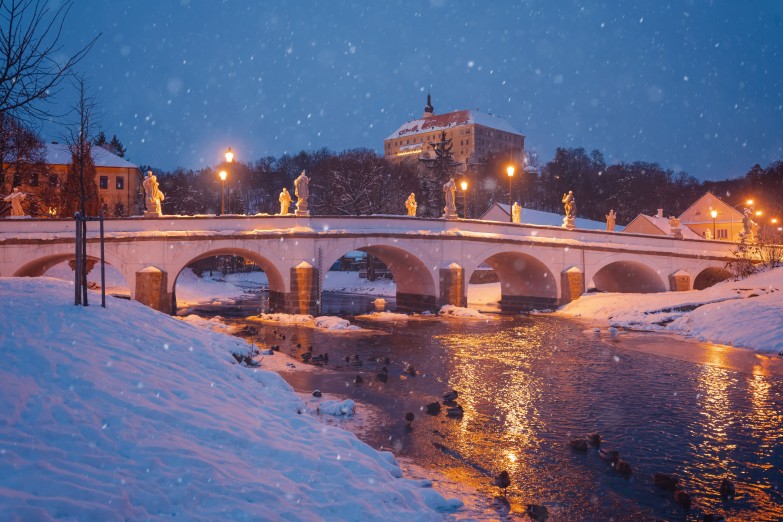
point(302, 192)
point(674, 223)
point(516, 213)
point(152, 195)
point(569, 206)
point(747, 225)
point(410, 204)
point(285, 202)
point(611, 218)
point(15, 198)
point(449, 190)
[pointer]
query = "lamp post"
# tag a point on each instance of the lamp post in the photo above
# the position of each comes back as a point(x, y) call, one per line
point(464, 185)
point(714, 214)
point(222, 175)
point(510, 171)
point(229, 158)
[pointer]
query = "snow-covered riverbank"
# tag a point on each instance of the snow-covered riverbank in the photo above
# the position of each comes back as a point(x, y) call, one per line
point(125, 413)
point(746, 313)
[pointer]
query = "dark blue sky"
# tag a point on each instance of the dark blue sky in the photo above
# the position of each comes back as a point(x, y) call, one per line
point(695, 86)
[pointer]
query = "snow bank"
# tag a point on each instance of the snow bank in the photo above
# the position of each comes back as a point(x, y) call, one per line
point(384, 316)
point(328, 322)
point(462, 313)
point(746, 313)
point(125, 413)
point(351, 282)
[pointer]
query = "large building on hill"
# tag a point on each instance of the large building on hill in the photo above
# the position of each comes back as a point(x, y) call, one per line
point(473, 135)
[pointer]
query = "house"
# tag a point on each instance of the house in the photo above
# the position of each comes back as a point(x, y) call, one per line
point(697, 222)
point(118, 180)
point(658, 225)
point(501, 212)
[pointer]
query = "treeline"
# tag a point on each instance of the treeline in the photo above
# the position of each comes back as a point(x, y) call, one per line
point(359, 182)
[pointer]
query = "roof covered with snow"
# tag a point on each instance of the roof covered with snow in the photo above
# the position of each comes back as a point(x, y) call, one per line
point(662, 224)
point(539, 217)
point(449, 121)
point(58, 154)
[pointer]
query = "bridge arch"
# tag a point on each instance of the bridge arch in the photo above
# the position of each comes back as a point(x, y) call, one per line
point(710, 276)
point(525, 280)
point(416, 288)
point(627, 275)
point(277, 283)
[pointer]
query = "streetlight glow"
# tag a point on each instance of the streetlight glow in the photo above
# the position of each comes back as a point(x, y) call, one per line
point(229, 155)
point(222, 175)
point(464, 185)
point(510, 170)
point(714, 214)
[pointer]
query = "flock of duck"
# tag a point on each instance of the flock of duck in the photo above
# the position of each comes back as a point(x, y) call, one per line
point(537, 512)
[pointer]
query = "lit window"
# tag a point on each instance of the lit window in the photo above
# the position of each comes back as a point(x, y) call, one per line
point(104, 183)
point(722, 233)
point(120, 184)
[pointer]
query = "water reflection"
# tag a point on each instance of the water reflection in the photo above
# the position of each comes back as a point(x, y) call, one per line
point(530, 384)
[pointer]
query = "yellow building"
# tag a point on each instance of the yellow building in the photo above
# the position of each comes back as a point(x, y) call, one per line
point(473, 136)
point(118, 180)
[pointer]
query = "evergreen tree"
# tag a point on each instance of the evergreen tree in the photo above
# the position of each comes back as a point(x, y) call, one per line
point(438, 171)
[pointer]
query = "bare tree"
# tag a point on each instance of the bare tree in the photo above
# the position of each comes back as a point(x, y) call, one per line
point(29, 47)
point(80, 191)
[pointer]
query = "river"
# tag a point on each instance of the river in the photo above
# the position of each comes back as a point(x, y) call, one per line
point(529, 384)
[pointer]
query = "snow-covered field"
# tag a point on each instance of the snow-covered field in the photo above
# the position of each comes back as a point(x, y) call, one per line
point(746, 313)
point(124, 413)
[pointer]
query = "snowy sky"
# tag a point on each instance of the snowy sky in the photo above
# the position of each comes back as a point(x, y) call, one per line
point(693, 85)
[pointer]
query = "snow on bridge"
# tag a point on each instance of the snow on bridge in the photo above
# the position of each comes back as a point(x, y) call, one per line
point(431, 259)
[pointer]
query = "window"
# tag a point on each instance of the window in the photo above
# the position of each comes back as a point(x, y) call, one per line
point(53, 180)
point(34, 179)
point(120, 184)
point(104, 182)
point(722, 233)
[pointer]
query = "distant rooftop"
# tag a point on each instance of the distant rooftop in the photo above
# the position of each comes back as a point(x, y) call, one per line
point(58, 154)
point(450, 120)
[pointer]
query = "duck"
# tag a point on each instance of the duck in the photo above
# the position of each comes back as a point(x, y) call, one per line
point(537, 512)
point(578, 445)
point(710, 517)
point(503, 480)
point(382, 374)
point(595, 439)
point(682, 498)
point(409, 419)
point(608, 454)
point(450, 395)
point(455, 411)
point(409, 369)
point(358, 379)
point(666, 481)
point(621, 466)
point(432, 408)
point(727, 489)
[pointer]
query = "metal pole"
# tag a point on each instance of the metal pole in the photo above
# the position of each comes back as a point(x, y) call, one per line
point(713, 229)
point(77, 298)
point(84, 262)
point(222, 196)
point(510, 214)
point(103, 267)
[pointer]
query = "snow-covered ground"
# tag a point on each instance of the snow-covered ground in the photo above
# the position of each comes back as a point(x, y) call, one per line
point(746, 313)
point(124, 413)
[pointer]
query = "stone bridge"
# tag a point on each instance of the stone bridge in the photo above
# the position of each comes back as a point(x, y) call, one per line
point(431, 259)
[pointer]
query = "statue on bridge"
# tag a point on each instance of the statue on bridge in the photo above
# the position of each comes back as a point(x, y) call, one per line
point(675, 227)
point(302, 192)
point(410, 204)
point(152, 195)
point(285, 202)
point(747, 226)
point(611, 218)
point(569, 206)
point(449, 190)
point(15, 198)
point(516, 213)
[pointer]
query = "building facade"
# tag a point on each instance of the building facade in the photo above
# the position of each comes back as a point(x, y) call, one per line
point(118, 180)
point(473, 136)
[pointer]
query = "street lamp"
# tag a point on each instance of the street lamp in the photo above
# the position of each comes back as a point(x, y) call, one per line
point(222, 175)
point(714, 214)
point(464, 185)
point(229, 158)
point(510, 171)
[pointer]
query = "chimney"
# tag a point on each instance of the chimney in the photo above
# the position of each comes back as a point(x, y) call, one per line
point(660, 213)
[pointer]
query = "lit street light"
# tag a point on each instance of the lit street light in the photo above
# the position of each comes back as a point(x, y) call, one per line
point(222, 175)
point(714, 214)
point(464, 185)
point(229, 158)
point(510, 171)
